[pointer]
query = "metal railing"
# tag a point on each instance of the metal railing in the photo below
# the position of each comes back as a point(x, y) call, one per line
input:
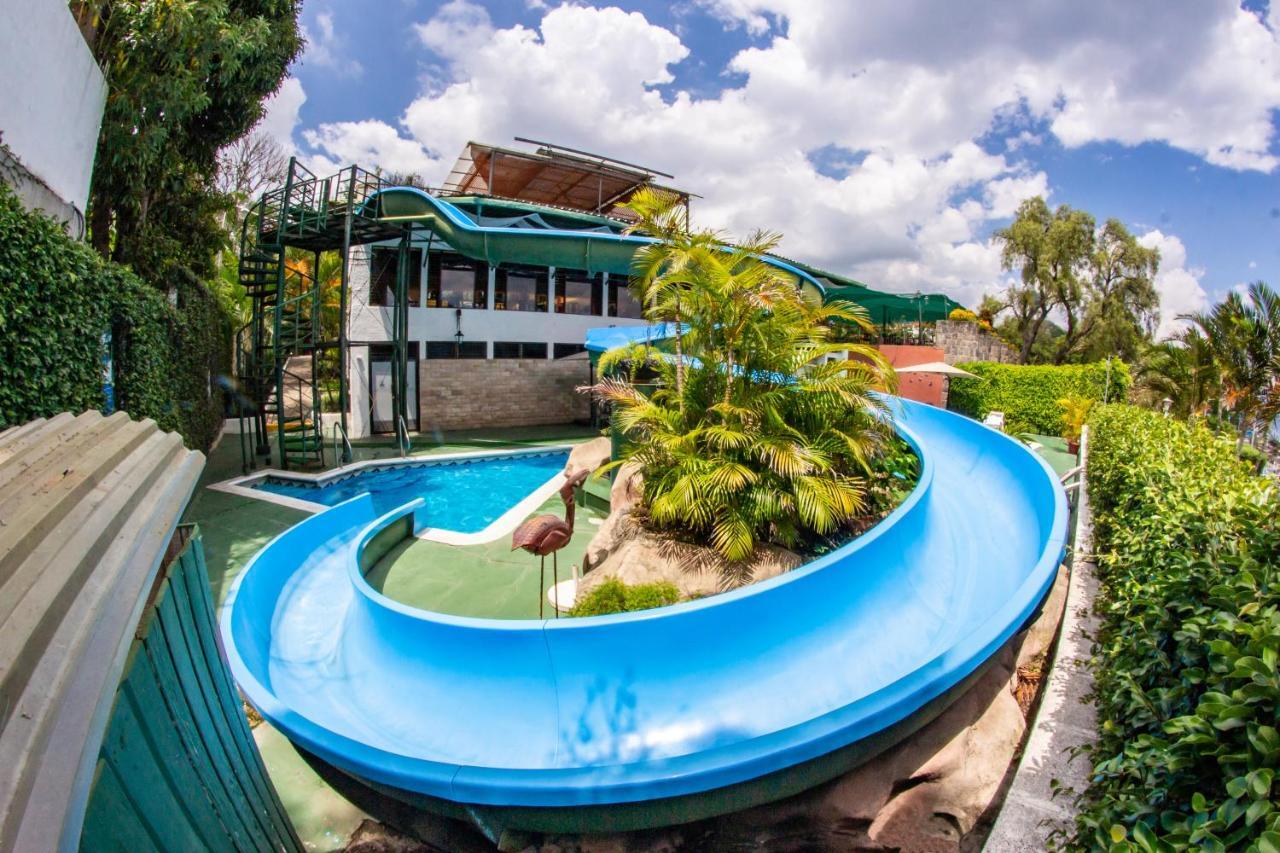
point(402, 437)
point(347, 452)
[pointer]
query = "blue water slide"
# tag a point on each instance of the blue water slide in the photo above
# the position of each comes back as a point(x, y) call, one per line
point(622, 712)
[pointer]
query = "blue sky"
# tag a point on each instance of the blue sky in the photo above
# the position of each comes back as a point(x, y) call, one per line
point(886, 140)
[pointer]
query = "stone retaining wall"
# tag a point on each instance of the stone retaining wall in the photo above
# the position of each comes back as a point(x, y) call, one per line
point(964, 341)
point(476, 393)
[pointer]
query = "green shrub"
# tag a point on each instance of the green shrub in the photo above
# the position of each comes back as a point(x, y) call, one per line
point(1029, 394)
point(1186, 660)
point(614, 596)
point(58, 298)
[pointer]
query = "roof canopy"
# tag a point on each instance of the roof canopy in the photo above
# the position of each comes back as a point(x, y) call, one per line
point(551, 175)
point(887, 308)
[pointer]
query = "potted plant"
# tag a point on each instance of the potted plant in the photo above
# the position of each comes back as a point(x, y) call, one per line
point(1075, 410)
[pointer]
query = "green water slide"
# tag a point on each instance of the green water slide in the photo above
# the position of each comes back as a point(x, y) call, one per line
point(596, 250)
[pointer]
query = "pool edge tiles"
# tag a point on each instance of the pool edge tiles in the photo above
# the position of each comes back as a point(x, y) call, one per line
point(247, 486)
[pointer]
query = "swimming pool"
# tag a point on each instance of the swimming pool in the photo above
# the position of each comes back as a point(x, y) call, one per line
point(463, 495)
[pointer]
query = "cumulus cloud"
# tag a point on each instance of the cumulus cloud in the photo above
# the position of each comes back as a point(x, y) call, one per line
point(1178, 285)
point(908, 85)
point(282, 112)
point(327, 49)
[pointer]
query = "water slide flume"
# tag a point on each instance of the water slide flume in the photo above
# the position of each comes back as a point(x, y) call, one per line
point(661, 716)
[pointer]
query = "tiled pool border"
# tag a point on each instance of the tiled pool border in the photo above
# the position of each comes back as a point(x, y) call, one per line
point(501, 526)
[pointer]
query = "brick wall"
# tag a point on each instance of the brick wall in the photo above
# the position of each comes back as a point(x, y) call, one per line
point(963, 341)
point(475, 393)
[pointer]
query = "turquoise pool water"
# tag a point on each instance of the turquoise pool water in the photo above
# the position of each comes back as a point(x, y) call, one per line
point(463, 495)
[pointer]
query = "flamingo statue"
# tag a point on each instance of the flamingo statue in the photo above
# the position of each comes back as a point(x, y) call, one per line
point(547, 534)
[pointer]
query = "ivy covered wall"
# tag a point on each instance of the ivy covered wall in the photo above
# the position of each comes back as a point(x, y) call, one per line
point(1029, 394)
point(58, 298)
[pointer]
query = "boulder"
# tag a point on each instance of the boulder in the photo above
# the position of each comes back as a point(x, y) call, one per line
point(588, 456)
point(626, 550)
point(628, 488)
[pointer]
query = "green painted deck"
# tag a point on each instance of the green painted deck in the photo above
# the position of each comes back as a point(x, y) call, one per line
point(1054, 451)
point(481, 580)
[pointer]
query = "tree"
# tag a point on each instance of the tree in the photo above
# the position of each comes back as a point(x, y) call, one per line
point(1244, 337)
point(1048, 249)
point(1114, 306)
point(1182, 371)
point(1099, 283)
point(658, 268)
point(185, 78)
point(250, 165)
point(763, 440)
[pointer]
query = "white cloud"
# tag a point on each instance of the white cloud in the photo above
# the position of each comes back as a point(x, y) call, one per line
point(282, 109)
point(370, 142)
point(907, 84)
point(327, 49)
point(1178, 285)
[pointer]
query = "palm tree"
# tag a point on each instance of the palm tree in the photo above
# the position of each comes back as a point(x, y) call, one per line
point(658, 269)
point(751, 434)
point(1244, 337)
point(1181, 370)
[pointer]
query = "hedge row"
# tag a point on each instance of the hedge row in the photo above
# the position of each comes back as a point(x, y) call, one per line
point(58, 298)
point(1029, 394)
point(1186, 662)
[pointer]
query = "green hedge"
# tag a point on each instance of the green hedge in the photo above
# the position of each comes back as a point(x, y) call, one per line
point(1029, 394)
point(58, 298)
point(1186, 662)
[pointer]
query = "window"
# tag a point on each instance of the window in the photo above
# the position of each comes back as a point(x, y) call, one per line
point(621, 302)
point(454, 349)
point(520, 289)
point(566, 350)
point(519, 349)
point(457, 282)
point(382, 276)
point(578, 292)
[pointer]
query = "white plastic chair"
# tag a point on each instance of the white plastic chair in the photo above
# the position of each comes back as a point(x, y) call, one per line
point(995, 420)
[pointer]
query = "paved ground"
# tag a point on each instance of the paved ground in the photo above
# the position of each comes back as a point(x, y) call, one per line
point(485, 580)
point(1054, 451)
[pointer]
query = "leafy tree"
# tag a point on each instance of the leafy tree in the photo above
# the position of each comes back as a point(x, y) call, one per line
point(1116, 304)
point(1244, 337)
point(1181, 370)
point(1048, 248)
point(185, 78)
point(1100, 282)
point(658, 268)
point(764, 440)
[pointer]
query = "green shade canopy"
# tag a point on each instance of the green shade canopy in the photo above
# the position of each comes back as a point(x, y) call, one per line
point(888, 308)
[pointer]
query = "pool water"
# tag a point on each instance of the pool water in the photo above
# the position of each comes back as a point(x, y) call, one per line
point(464, 495)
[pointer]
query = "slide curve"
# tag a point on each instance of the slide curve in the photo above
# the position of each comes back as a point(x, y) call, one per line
point(593, 251)
point(658, 704)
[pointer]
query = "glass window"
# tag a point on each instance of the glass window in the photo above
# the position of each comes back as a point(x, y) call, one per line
point(454, 349)
point(621, 301)
point(382, 276)
point(566, 350)
point(578, 293)
point(454, 281)
point(520, 289)
point(519, 349)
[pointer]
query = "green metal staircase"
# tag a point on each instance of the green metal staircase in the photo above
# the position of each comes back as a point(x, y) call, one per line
point(284, 331)
point(276, 351)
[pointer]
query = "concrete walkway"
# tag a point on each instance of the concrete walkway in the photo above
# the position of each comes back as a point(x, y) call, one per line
point(1041, 799)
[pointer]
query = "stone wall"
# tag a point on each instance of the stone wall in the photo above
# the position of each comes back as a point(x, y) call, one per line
point(964, 341)
point(500, 392)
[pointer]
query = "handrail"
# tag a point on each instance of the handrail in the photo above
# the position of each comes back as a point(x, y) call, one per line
point(347, 450)
point(402, 436)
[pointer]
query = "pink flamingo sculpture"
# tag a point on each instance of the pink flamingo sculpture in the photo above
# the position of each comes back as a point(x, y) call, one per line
point(547, 534)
